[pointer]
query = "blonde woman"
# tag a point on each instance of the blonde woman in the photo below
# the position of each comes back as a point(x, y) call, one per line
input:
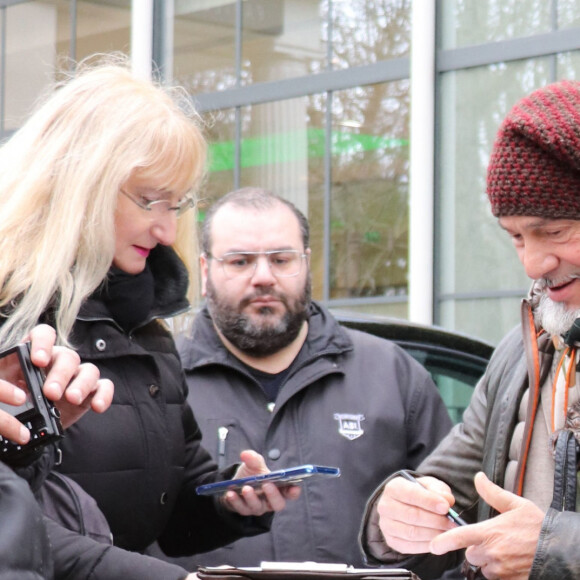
point(97, 191)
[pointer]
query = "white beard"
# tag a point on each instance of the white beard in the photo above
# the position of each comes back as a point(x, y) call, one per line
point(554, 317)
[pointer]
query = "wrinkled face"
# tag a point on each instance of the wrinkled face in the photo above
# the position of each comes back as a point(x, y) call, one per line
point(262, 312)
point(138, 231)
point(550, 253)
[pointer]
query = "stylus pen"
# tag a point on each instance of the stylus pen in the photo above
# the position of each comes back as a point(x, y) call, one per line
point(222, 436)
point(451, 514)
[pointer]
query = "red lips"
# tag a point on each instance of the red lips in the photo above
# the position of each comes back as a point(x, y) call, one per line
point(142, 251)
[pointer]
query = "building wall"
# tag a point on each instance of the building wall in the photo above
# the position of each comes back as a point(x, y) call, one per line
point(311, 98)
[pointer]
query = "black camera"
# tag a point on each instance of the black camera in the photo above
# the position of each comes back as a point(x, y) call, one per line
point(37, 413)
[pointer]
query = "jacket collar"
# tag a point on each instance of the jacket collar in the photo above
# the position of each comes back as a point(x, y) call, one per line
point(171, 281)
point(325, 336)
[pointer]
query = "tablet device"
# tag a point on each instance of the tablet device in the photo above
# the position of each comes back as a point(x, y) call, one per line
point(281, 477)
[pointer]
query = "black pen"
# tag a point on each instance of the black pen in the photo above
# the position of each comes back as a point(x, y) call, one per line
point(451, 514)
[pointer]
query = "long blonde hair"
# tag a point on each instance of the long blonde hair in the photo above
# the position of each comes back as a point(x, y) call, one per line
point(60, 176)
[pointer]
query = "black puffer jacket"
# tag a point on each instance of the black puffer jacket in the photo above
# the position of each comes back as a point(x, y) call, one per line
point(143, 459)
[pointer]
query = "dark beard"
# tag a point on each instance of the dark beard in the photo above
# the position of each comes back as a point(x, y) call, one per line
point(252, 339)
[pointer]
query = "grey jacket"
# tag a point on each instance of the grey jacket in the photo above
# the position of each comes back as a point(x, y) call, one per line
point(481, 443)
point(351, 400)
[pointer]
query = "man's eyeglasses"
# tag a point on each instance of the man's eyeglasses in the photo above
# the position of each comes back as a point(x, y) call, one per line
point(282, 263)
point(162, 207)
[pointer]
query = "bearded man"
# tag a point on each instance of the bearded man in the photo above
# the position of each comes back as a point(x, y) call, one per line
point(272, 370)
point(500, 468)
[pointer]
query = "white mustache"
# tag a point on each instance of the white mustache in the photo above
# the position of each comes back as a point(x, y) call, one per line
point(555, 282)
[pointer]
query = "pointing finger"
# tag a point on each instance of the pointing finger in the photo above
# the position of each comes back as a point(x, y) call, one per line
point(495, 496)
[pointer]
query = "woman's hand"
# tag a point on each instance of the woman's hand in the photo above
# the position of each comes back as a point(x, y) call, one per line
point(74, 387)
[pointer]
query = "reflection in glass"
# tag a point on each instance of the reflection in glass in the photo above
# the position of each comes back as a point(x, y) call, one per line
point(568, 13)
point(487, 318)
point(569, 65)
point(471, 245)
point(455, 393)
point(31, 55)
point(204, 37)
point(278, 145)
point(220, 133)
point(275, 148)
point(368, 31)
point(394, 309)
point(38, 42)
point(282, 39)
point(474, 255)
point(369, 196)
point(466, 22)
point(103, 26)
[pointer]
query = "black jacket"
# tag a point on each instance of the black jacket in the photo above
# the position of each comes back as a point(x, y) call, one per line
point(25, 552)
point(143, 459)
point(350, 400)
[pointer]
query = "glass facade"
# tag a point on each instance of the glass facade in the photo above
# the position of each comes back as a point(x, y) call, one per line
point(30, 39)
point(367, 31)
point(281, 40)
point(369, 194)
point(312, 99)
point(41, 37)
point(480, 280)
point(465, 22)
point(338, 149)
point(204, 46)
point(475, 257)
point(100, 27)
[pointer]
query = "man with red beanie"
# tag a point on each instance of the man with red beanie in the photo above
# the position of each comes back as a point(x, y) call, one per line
point(510, 469)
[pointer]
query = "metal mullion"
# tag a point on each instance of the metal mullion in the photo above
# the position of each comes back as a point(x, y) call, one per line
point(327, 193)
point(437, 213)
point(8, 3)
point(290, 88)
point(539, 45)
point(73, 32)
point(3, 25)
point(238, 111)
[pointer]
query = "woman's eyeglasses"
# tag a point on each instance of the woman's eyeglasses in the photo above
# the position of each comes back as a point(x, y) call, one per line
point(162, 207)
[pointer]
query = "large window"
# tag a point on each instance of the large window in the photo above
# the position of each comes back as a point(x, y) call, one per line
point(282, 39)
point(311, 98)
point(204, 45)
point(102, 26)
point(480, 280)
point(30, 56)
point(296, 81)
point(44, 36)
point(475, 257)
point(369, 220)
point(466, 22)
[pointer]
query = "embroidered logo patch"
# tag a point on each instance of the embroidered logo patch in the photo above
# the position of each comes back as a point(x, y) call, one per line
point(349, 425)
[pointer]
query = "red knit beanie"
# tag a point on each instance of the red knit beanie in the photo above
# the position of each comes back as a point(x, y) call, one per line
point(534, 169)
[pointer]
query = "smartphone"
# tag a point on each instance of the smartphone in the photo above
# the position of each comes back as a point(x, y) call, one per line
point(281, 477)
